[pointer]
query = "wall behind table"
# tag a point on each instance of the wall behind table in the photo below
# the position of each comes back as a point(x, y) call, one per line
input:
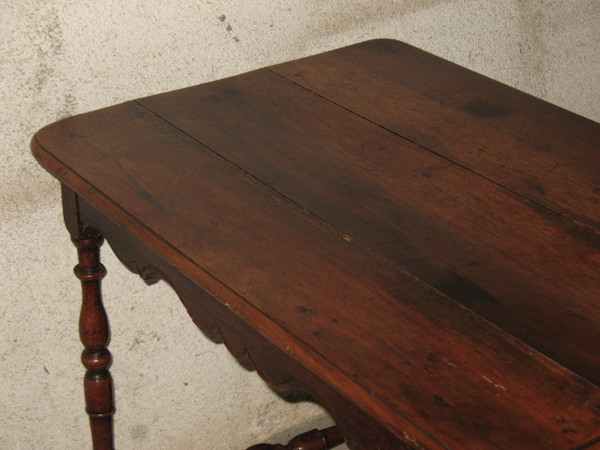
point(174, 388)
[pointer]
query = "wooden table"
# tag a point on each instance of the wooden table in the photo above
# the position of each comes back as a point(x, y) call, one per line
point(414, 244)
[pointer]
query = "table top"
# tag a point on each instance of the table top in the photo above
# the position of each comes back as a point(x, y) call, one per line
point(422, 238)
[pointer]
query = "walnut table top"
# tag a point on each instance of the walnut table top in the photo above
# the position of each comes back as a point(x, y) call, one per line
point(416, 245)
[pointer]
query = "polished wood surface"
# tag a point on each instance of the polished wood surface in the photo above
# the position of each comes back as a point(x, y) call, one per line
point(94, 333)
point(414, 244)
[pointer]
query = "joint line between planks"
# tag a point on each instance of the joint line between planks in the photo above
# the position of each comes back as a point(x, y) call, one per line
point(590, 226)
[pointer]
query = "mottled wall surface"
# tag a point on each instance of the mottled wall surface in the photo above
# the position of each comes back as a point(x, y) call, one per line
point(175, 389)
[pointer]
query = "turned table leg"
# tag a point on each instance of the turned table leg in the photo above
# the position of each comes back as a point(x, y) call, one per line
point(311, 440)
point(94, 334)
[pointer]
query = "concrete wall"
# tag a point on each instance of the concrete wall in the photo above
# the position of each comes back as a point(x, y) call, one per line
point(175, 389)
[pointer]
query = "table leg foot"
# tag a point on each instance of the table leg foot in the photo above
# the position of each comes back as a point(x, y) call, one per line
point(311, 440)
point(94, 333)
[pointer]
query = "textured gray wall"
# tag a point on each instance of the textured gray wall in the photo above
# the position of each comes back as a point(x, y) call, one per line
point(174, 388)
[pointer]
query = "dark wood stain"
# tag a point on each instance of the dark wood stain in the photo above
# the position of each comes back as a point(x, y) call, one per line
point(369, 183)
point(426, 268)
point(423, 98)
point(465, 291)
point(482, 108)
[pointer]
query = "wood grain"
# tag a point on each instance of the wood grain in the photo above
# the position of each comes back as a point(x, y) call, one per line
point(523, 143)
point(531, 271)
point(413, 243)
point(274, 364)
point(397, 348)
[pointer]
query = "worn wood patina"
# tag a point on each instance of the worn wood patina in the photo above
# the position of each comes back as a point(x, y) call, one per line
point(415, 245)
